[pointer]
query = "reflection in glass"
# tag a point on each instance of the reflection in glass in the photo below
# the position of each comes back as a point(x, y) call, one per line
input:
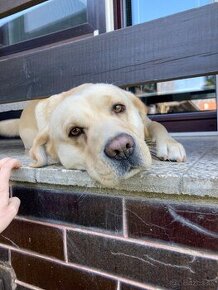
point(42, 19)
point(186, 95)
point(146, 10)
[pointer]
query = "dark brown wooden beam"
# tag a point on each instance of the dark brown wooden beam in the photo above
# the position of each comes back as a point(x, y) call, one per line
point(188, 122)
point(8, 7)
point(177, 46)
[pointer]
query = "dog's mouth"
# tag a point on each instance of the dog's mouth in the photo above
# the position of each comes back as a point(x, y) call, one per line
point(129, 166)
point(116, 172)
point(126, 167)
point(133, 170)
point(121, 158)
point(122, 154)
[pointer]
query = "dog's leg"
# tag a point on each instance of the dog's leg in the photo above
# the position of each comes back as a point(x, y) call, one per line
point(38, 150)
point(167, 148)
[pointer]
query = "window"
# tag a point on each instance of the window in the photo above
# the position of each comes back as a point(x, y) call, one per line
point(138, 11)
point(184, 105)
point(49, 22)
point(46, 23)
point(188, 105)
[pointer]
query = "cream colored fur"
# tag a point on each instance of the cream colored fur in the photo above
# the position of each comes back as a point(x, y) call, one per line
point(9, 128)
point(45, 124)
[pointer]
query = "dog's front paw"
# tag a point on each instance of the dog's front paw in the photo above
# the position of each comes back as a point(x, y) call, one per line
point(170, 149)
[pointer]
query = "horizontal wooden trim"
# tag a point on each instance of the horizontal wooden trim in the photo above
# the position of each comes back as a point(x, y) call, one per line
point(188, 122)
point(184, 116)
point(8, 7)
point(173, 47)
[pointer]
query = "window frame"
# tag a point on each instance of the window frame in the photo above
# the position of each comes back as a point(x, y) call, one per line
point(95, 22)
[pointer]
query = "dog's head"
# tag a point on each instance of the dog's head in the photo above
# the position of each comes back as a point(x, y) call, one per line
point(99, 128)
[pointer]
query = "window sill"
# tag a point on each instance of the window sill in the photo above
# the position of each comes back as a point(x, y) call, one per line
point(196, 177)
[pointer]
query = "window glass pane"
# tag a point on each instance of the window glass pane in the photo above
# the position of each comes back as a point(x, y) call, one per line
point(187, 95)
point(173, 102)
point(45, 18)
point(187, 105)
point(146, 10)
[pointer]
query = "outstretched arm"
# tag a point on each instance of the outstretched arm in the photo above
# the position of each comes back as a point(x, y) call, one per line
point(8, 206)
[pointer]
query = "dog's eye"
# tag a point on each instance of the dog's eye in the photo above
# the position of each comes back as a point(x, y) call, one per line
point(119, 108)
point(75, 132)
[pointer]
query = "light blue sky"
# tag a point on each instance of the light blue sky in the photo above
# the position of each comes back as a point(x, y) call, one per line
point(186, 85)
point(146, 10)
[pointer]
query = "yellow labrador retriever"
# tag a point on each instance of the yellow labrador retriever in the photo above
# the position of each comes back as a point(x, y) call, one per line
point(96, 127)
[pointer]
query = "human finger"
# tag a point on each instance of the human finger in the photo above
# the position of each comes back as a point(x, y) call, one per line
point(9, 213)
point(4, 179)
point(4, 160)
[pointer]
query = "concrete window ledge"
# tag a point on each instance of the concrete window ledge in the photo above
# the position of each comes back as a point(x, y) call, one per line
point(197, 177)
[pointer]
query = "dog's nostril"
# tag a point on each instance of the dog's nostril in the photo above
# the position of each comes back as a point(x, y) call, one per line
point(128, 146)
point(120, 147)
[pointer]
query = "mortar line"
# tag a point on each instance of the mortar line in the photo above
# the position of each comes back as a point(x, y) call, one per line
point(118, 285)
point(125, 225)
point(148, 243)
point(30, 286)
point(88, 270)
point(65, 245)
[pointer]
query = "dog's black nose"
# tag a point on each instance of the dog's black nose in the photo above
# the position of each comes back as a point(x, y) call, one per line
point(120, 147)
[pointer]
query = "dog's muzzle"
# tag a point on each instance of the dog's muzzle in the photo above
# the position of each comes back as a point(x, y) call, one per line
point(123, 154)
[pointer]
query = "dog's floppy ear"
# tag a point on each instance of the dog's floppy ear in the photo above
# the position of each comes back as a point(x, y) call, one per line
point(38, 150)
point(142, 109)
point(138, 104)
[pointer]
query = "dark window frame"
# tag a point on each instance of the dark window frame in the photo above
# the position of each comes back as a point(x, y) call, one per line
point(13, 6)
point(122, 20)
point(205, 121)
point(95, 21)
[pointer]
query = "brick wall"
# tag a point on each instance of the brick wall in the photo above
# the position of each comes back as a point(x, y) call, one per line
point(66, 238)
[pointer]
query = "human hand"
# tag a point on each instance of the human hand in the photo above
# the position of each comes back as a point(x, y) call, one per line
point(8, 206)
